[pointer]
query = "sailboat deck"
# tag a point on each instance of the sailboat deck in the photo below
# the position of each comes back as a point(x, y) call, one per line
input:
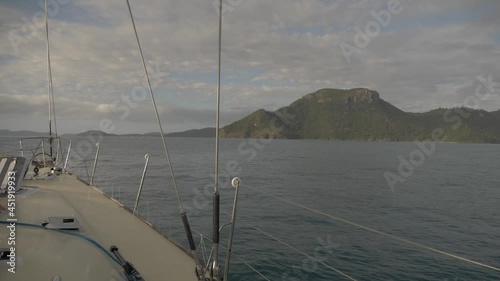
point(44, 254)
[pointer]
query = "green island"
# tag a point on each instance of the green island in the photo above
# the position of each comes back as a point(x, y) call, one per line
point(360, 114)
point(355, 114)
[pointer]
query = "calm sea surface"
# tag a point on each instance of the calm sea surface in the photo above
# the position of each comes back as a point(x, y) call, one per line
point(296, 196)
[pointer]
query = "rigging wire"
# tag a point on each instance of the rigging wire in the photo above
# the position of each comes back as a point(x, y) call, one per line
point(234, 254)
point(165, 148)
point(250, 266)
point(217, 117)
point(299, 251)
point(52, 108)
point(50, 96)
point(216, 198)
point(199, 272)
point(403, 240)
point(285, 244)
point(49, 75)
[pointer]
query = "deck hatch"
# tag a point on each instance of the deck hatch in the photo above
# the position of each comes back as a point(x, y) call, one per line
point(63, 223)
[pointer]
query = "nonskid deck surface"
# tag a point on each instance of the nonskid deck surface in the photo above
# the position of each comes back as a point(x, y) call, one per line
point(43, 254)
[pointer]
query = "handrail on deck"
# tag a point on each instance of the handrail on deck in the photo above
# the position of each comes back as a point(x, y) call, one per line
point(95, 164)
point(147, 157)
point(40, 150)
point(67, 155)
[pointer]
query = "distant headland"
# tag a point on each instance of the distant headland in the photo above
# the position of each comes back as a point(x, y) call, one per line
point(355, 114)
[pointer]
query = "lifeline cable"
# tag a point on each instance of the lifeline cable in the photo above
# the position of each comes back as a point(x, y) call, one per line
point(380, 232)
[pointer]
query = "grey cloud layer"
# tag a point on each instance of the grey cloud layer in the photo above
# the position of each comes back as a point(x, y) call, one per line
point(428, 56)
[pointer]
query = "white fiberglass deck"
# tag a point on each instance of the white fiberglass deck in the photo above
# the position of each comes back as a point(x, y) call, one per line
point(45, 254)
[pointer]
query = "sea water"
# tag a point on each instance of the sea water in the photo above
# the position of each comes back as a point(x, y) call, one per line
point(299, 198)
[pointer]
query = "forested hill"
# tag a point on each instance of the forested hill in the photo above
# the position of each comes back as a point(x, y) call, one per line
point(360, 114)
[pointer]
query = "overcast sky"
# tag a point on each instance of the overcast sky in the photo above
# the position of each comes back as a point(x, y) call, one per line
point(418, 55)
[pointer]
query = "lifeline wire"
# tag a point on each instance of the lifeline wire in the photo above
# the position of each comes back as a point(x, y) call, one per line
point(380, 232)
point(299, 251)
point(240, 258)
point(288, 246)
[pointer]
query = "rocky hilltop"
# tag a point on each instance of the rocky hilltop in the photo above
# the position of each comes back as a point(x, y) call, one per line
point(360, 114)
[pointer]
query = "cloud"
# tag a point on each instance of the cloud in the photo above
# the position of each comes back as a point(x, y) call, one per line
point(274, 52)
